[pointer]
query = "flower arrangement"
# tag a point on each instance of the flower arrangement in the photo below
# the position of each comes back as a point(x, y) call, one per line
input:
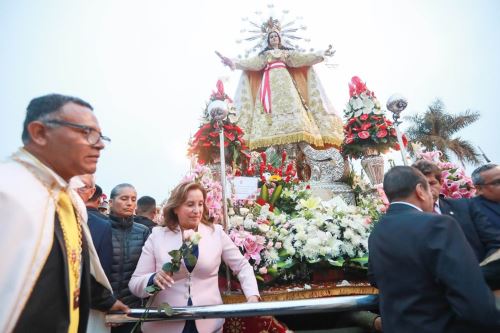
point(280, 243)
point(455, 183)
point(205, 144)
point(367, 129)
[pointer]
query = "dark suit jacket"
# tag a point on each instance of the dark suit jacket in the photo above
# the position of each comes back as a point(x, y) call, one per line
point(47, 307)
point(428, 277)
point(489, 208)
point(100, 230)
point(482, 235)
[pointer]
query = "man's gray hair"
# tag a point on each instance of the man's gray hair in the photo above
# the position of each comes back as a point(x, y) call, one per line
point(476, 174)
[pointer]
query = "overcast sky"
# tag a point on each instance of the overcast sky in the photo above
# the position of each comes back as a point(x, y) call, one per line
point(148, 67)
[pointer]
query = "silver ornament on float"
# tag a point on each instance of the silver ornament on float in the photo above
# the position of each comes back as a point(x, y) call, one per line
point(396, 104)
point(218, 110)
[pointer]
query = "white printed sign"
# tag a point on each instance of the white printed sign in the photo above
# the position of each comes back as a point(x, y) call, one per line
point(244, 187)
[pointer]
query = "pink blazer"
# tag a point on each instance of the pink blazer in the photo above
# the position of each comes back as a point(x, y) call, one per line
point(214, 246)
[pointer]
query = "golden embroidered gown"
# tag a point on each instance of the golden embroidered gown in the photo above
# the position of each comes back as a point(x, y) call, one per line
point(298, 108)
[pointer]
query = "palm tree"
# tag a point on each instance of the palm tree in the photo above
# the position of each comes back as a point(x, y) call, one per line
point(435, 130)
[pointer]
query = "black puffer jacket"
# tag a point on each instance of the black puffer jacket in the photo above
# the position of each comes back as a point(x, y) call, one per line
point(128, 239)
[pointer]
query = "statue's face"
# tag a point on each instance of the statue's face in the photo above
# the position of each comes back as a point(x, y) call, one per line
point(273, 40)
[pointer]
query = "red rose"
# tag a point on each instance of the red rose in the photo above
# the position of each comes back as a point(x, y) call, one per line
point(363, 117)
point(381, 133)
point(365, 126)
point(349, 139)
point(364, 135)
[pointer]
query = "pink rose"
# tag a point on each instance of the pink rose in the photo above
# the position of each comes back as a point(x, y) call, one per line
point(263, 270)
point(252, 248)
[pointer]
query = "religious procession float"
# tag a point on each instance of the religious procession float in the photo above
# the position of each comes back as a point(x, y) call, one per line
point(276, 161)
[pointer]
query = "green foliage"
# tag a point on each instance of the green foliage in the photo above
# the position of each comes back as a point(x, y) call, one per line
point(435, 130)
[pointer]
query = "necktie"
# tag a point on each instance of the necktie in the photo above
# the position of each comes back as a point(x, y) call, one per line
point(72, 233)
point(436, 209)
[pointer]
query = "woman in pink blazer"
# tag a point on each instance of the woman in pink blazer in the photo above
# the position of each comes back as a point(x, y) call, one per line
point(196, 286)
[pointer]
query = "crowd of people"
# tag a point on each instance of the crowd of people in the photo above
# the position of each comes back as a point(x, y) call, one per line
point(434, 260)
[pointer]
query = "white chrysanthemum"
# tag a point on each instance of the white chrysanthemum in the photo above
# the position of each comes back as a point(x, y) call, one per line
point(272, 256)
point(348, 234)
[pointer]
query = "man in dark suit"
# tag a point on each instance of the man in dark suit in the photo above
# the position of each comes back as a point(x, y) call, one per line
point(486, 179)
point(99, 225)
point(428, 276)
point(482, 235)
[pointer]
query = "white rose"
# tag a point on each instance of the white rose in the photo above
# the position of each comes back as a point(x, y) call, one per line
point(263, 227)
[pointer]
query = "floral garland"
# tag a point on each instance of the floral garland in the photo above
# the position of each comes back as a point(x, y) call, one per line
point(367, 128)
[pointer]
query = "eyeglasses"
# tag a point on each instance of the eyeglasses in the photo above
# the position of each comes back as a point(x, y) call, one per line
point(93, 135)
point(496, 182)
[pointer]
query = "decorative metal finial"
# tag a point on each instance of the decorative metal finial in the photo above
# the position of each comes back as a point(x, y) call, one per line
point(396, 104)
point(218, 110)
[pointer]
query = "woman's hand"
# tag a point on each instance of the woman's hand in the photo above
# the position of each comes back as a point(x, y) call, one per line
point(163, 279)
point(253, 299)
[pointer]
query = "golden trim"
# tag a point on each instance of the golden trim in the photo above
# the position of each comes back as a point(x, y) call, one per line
point(293, 138)
point(270, 296)
point(36, 274)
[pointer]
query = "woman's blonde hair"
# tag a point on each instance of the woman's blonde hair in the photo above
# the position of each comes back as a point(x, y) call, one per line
point(177, 198)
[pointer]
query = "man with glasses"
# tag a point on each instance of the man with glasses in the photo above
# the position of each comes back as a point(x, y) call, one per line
point(50, 272)
point(486, 179)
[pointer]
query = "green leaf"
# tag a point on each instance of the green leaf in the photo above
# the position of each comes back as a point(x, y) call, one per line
point(191, 259)
point(284, 264)
point(168, 267)
point(336, 263)
point(176, 255)
point(283, 253)
point(152, 289)
point(165, 307)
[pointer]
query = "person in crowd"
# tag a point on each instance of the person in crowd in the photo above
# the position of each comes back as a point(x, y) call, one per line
point(427, 275)
point(482, 235)
point(103, 205)
point(99, 225)
point(146, 212)
point(486, 179)
point(128, 239)
point(51, 276)
point(197, 285)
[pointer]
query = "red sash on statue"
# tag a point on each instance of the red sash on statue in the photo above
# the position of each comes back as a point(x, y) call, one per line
point(265, 87)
